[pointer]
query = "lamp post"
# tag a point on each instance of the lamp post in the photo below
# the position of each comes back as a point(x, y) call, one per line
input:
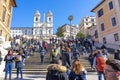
point(70, 18)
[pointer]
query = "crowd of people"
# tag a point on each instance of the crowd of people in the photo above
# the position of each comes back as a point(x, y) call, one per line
point(21, 49)
point(66, 64)
point(67, 55)
point(65, 61)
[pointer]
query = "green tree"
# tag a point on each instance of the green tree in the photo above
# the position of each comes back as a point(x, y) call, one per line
point(60, 32)
point(80, 35)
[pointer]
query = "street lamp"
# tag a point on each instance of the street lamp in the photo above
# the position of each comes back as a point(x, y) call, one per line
point(70, 18)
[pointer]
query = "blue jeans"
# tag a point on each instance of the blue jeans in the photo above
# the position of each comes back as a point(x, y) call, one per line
point(100, 75)
point(42, 59)
point(21, 72)
point(8, 68)
point(23, 60)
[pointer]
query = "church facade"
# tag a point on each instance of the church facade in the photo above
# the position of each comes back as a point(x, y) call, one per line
point(43, 29)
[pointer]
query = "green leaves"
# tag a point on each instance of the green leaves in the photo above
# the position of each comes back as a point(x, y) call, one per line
point(60, 32)
point(80, 35)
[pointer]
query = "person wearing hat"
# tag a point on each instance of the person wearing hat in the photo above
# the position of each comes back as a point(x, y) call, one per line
point(112, 69)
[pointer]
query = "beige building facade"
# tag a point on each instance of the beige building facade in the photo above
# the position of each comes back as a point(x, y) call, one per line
point(70, 30)
point(93, 32)
point(6, 7)
point(87, 22)
point(108, 22)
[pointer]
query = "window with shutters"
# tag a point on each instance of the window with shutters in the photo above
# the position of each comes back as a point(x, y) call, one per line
point(96, 34)
point(102, 27)
point(110, 5)
point(116, 37)
point(113, 20)
point(100, 12)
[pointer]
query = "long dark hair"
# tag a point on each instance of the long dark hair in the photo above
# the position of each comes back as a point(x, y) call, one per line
point(10, 52)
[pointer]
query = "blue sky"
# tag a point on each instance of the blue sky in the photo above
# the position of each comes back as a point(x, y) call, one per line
point(24, 13)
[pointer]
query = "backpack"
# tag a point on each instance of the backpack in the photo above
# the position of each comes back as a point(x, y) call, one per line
point(101, 63)
point(18, 58)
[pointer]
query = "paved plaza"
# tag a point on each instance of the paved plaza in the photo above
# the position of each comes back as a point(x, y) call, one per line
point(90, 76)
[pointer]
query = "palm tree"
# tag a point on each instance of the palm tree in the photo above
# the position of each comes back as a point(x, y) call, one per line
point(70, 18)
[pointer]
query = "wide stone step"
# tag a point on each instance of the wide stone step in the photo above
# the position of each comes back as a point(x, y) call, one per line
point(32, 71)
point(34, 67)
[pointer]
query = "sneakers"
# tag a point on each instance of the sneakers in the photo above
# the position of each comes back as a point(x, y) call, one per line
point(18, 78)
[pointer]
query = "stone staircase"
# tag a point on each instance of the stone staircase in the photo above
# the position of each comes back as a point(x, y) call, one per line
point(85, 62)
point(33, 65)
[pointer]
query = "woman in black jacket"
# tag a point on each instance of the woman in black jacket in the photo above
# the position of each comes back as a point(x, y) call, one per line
point(56, 72)
point(9, 59)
